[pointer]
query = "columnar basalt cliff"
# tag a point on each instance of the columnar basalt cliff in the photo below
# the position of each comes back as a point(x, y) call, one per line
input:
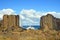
point(10, 29)
point(10, 23)
point(10, 20)
point(49, 22)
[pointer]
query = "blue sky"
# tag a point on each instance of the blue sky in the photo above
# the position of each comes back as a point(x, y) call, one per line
point(30, 11)
point(39, 5)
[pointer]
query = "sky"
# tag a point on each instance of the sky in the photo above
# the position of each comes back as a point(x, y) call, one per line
point(39, 5)
point(30, 11)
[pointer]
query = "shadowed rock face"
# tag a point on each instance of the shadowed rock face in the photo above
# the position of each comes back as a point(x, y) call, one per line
point(49, 22)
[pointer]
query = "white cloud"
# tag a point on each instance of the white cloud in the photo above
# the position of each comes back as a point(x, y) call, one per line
point(22, 17)
point(6, 11)
point(32, 17)
point(55, 14)
point(28, 17)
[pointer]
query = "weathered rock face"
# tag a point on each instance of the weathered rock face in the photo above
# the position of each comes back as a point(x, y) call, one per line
point(10, 20)
point(57, 23)
point(10, 23)
point(1, 23)
point(49, 22)
point(11, 30)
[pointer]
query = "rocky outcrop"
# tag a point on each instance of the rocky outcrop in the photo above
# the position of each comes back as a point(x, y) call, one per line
point(49, 22)
point(10, 20)
point(10, 23)
point(10, 30)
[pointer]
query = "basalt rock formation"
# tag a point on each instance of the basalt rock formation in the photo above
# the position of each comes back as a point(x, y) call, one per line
point(10, 23)
point(49, 22)
point(10, 29)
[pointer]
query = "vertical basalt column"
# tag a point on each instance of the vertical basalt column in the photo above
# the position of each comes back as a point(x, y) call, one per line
point(10, 20)
point(5, 21)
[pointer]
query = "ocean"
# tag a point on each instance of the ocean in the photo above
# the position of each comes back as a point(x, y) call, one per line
point(35, 26)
